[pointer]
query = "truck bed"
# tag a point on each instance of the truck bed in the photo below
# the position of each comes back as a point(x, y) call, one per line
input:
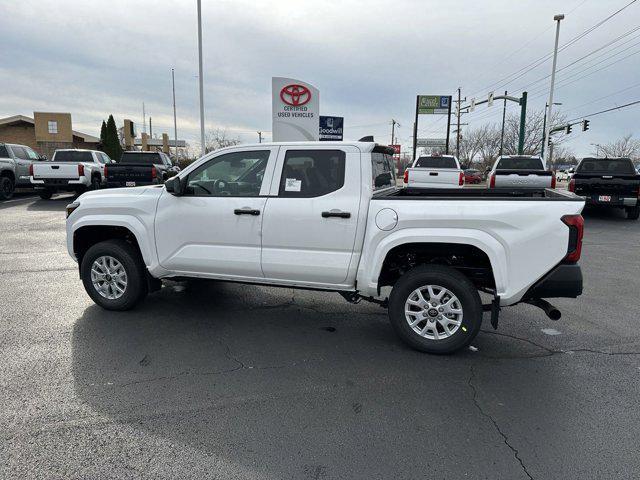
point(498, 193)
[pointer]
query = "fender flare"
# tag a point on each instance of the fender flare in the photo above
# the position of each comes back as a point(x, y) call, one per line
point(133, 224)
point(493, 248)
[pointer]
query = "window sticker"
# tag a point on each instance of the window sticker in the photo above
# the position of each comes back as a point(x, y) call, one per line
point(293, 185)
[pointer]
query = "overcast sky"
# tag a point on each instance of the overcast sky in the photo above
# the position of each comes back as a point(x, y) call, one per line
point(369, 60)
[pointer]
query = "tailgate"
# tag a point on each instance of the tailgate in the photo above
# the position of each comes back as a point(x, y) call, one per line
point(523, 178)
point(122, 173)
point(621, 186)
point(55, 170)
point(433, 176)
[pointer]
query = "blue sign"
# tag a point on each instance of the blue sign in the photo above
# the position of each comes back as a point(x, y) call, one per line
point(331, 128)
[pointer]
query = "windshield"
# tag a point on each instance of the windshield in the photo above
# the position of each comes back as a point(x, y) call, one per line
point(436, 162)
point(520, 163)
point(606, 166)
point(143, 158)
point(72, 156)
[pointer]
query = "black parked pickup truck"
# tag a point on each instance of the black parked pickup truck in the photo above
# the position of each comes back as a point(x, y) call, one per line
point(610, 182)
point(139, 168)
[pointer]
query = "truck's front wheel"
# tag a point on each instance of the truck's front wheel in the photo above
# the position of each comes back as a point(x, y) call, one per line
point(6, 188)
point(435, 309)
point(114, 275)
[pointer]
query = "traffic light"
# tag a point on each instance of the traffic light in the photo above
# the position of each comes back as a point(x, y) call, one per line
point(568, 129)
point(585, 125)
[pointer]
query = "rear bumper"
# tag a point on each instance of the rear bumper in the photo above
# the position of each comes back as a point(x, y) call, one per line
point(563, 281)
point(123, 184)
point(614, 202)
point(60, 183)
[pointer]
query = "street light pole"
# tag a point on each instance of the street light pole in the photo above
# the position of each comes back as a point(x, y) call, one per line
point(557, 18)
point(175, 123)
point(200, 79)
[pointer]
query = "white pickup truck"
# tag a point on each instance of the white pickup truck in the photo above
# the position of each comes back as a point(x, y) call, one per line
point(520, 171)
point(328, 216)
point(434, 171)
point(71, 170)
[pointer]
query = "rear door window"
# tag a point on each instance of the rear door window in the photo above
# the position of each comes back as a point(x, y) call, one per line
point(382, 171)
point(520, 163)
point(312, 173)
point(436, 162)
point(20, 152)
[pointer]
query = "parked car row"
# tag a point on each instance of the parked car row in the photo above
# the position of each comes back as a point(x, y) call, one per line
point(78, 170)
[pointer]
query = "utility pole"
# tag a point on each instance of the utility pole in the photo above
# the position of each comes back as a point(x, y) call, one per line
point(144, 120)
point(175, 123)
point(259, 137)
point(150, 129)
point(504, 113)
point(557, 19)
point(458, 114)
point(200, 79)
point(393, 130)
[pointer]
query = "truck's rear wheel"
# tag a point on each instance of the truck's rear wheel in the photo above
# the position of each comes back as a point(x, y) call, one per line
point(6, 188)
point(633, 213)
point(114, 275)
point(435, 309)
point(95, 182)
point(45, 194)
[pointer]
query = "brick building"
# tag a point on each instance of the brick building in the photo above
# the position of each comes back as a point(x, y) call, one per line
point(45, 132)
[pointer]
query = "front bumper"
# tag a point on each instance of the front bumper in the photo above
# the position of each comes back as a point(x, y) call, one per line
point(563, 281)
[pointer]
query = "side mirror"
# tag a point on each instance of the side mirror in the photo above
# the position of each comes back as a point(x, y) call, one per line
point(174, 186)
point(43, 158)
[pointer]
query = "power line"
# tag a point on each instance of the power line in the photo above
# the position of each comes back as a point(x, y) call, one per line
point(536, 63)
point(604, 111)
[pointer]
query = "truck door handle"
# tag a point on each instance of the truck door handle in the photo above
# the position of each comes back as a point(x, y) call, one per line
point(336, 213)
point(246, 211)
point(433, 174)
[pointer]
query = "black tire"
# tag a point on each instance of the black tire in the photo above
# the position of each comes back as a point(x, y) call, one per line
point(456, 283)
point(6, 188)
point(129, 257)
point(45, 194)
point(95, 182)
point(633, 213)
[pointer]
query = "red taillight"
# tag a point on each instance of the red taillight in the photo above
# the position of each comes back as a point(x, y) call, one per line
point(105, 171)
point(576, 232)
point(154, 173)
point(81, 170)
point(406, 176)
point(553, 180)
point(31, 170)
point(572, 185)
point(461, 179)
point(492, 181)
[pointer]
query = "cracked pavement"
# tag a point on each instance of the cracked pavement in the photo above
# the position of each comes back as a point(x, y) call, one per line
point(217, 380)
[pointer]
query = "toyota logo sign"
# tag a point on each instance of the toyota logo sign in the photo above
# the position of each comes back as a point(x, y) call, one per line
point(295, 95)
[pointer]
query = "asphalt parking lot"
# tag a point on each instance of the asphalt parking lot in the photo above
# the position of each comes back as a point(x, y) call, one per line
point(218, 380)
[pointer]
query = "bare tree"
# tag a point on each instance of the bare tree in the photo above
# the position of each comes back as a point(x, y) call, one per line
point(626, 146)
point(217, 139)
point(533, 132)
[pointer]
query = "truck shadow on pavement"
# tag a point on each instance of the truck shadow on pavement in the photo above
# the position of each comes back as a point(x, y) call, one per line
point(57, 203)
point(287, 384)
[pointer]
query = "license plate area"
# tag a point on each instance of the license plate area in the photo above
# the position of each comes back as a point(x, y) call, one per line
point(604, 198)
point(130, 184)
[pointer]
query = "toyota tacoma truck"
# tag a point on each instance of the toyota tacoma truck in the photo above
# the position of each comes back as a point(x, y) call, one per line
point(140, 168)
point(434, 171)
point(520, 171)
point(328, 216)
point(608, 182)
point(70, 170)
point(15, 162)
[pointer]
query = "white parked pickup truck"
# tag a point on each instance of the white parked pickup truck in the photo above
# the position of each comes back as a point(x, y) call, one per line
point(434, 171)
point(71, 170)
point(520, 171)
point(328, 216)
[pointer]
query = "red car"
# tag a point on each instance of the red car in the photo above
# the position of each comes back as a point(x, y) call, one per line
point(472, 176)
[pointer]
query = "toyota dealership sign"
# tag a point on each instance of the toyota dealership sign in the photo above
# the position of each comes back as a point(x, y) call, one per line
point(295, 109)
